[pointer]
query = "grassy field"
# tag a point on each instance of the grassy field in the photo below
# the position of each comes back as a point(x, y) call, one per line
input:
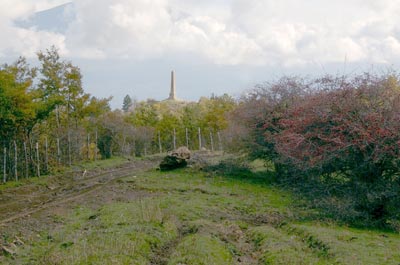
point(193, 217)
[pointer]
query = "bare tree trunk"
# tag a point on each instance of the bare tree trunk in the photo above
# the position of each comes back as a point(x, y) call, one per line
point(187, 137)
point(69, 149)
point(58, 136)
point(15, 161)
point(174, 139)
point(5, 165)
point(123, 146)
point(26, 161)
point(31, 152)
point(134, 147)
point(95, 148)
point(219, 141)
point(57, 117)
point(88, 146)
point(159, 142)
point(9, 160)
point(38, 159)
point(212, 142)
point(199, 138)
point(46, 154)
point(128, 149)
point(58, 152)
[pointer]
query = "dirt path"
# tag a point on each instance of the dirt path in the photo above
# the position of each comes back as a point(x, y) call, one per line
point(24, 201)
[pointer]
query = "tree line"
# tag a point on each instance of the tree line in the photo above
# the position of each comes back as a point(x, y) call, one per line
point(47, 120)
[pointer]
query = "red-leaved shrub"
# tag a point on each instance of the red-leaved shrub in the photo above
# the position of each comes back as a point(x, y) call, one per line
point(353, 128)
point(334, 138)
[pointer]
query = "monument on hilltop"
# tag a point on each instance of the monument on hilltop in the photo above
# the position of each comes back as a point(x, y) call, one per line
point(173, 100)
point(172, 93)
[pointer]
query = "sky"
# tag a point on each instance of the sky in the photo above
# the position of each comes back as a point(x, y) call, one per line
point(215, 46)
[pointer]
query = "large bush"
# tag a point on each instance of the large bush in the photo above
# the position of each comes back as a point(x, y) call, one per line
point(328, 130)
point(259, 112)
point(353, 129)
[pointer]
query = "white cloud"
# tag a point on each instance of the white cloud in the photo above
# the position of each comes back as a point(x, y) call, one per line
point(119, 28)
point(214, 40)
point(26, 42)
point(233, 32)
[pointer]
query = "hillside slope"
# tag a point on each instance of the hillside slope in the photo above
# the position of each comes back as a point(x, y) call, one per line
point(189, 217)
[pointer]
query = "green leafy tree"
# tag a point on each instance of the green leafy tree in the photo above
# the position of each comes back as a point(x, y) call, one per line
point(51, 84)
point(127, 104)
point(17, 105)
point(216, 110)
point(191, 118)
point(166, 126)
point(144, 114)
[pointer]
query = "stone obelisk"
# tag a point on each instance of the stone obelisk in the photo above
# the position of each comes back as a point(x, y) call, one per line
point(172, 92)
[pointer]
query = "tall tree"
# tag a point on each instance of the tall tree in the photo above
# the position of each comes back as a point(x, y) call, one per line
point(127, 104)
point(52, 83)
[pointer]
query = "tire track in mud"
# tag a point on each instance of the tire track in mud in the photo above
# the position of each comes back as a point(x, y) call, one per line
point(75, 191)
point(60, 190)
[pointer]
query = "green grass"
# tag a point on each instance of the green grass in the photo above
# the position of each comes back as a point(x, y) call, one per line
point(103, 164)
point(200, 249)
point(22, 182)
point(277, 247)
point(191, 217)
point(43, 180)
point(355, 246)
point(120, 233)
